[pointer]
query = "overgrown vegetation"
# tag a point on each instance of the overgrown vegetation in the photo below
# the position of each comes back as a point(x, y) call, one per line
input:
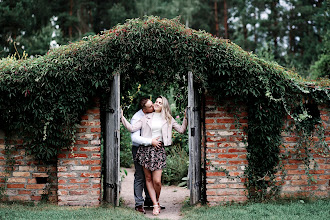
point(41, 99)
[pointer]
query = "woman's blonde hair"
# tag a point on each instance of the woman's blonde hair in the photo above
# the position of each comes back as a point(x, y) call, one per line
point(166, 110)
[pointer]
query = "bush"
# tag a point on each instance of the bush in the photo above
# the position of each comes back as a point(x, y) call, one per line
point(126, 158)
point(176, 165)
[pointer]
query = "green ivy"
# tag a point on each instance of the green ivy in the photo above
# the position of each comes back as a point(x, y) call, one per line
point(42, 98)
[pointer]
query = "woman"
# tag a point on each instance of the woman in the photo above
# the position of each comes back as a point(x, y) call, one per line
point(158, 124)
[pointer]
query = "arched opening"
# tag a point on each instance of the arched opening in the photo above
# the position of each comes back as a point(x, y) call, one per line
point(190, 98)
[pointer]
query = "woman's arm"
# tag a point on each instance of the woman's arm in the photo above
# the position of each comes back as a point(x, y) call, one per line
point(180, 128)
point(132, 128)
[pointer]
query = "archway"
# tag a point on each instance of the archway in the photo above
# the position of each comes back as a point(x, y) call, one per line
point(112, 143)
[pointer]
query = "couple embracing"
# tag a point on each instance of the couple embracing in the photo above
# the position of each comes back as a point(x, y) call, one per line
point(151, 129)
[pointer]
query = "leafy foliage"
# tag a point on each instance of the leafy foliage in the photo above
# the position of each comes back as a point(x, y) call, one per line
point(41, 99)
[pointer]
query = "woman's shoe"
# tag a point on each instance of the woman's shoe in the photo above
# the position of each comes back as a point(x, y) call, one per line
point(156, 210)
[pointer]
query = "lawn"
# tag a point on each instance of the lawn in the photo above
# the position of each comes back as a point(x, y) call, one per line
point(46, 211)
point(317, 210)
point(284, 210)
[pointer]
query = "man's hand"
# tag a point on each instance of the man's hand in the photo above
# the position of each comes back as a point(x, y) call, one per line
point(157, 144)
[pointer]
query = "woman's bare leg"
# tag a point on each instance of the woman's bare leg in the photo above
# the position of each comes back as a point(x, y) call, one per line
point(150, 185)
point(157, 181)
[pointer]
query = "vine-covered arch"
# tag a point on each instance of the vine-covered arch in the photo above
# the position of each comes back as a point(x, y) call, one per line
point(42, 98)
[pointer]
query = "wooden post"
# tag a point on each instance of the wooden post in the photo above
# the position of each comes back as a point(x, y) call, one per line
point(112, 144)
point(194, 142)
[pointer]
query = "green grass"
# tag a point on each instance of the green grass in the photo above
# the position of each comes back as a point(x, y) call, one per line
point(45, 211)
point(317, 210)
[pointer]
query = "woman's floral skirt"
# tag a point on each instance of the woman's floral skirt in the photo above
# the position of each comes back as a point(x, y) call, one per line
point(151, 158)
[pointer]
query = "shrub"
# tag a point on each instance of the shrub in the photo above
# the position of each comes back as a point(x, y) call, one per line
point(176, 165)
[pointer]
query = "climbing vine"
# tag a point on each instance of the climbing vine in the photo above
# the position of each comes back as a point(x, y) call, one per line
point(42, 98)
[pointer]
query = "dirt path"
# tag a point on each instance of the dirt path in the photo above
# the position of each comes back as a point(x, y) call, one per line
point(171, 197)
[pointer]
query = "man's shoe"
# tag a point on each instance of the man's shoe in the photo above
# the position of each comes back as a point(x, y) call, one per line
point(148, 203)
point(140, 208)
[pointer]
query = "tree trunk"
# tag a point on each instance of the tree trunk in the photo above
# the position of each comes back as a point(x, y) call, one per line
point(275, 34)
point(216, 18)
point(70, 13)
point(225, 18)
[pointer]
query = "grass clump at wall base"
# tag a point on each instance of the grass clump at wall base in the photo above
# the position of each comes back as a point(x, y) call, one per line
point(280, 210)
point(43, 211)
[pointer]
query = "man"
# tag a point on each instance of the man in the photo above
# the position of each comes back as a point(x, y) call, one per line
point(146, 106)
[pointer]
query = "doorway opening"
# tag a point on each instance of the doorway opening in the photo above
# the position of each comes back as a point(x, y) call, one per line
point(113, 175)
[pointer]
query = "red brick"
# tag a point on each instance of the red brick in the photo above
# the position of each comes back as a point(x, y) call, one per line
point(211, 193)
point(85, 186)
point(78, 192)
point(210, 150)
point(215, 127)
point(81, 130)
point(15, 186)
point(226, 120)
point(96, 155)
point(61, 156)
point(216, 186)
point(238, 162)
point(90, 149)
point(299, 182)
point(209, 121)
point(308, 188)
point(79, 180)
point(320, 182)
point(32, 180)
point(291, 167)
point(290, 139)
point(94, 130)
point(324, 177)
point(62, 169)
point(35, 198)
point(68, 186)
point(90, 174)
point(27, 192)
point(316, 171)
point(98, 168)
point(235, 150)
point(61, 181)
point(96, 186)
point(90, 162)
point(215, 174)
point(296, 172)
point(36, 186)
point(78, 155)
point(325, 118)
point(227, 155)
point(295, 161)
point(81, 142)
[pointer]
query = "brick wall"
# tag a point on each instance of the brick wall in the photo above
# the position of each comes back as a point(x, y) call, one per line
point(26, 179)
point(79, 169)
point(225, 149)
point(74, 178)
point(296, 182)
